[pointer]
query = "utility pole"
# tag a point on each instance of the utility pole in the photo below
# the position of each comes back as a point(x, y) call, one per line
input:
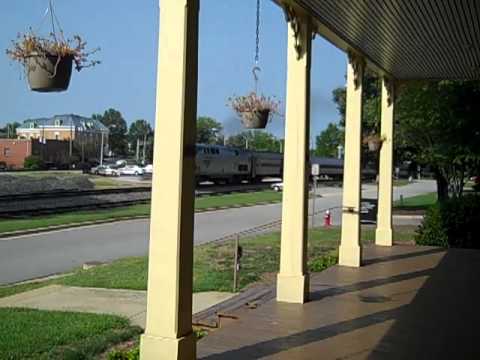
point(144, 147)
point(137, 152)
point(101, 151)
point(70, 150)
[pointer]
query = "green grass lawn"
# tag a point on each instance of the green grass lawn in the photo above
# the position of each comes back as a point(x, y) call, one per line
point(419, 202)
point(400, 182)
point(237, 199)
point(214, 201)
point(35, 222)
point(213, 263)
point(51, 335)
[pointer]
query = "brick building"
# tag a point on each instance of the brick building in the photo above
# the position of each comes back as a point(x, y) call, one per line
point(84, 135)
point(13, 152)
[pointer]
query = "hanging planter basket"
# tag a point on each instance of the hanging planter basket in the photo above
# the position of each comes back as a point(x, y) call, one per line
point(374, 142)
point(49, 73)
point(48, 61)
point(254, 110)
point(255, 119)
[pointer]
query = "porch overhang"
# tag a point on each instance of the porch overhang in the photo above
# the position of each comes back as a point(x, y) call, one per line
point(406, 40)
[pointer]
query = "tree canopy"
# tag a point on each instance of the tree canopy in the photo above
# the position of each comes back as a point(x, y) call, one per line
point(257, 140)
point(437, 123)
point(208, 131)
point(326, 144)
point(436, 126)
point(117, 126)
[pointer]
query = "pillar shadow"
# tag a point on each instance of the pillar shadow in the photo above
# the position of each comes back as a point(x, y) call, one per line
point(382, 259)
point(363, 285)
point(440, 323)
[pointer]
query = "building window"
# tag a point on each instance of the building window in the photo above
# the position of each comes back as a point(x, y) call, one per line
point(6, 152)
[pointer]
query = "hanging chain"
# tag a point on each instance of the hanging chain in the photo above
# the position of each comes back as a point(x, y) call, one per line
point(52, 19)
point(257, 47)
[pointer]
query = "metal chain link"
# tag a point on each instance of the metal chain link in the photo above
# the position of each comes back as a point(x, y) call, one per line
point(257, 48)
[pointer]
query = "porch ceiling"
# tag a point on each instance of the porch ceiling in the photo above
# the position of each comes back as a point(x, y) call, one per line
point(408, 39)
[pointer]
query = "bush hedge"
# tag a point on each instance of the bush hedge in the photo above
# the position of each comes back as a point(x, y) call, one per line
point(33, 162)
point(452, 223)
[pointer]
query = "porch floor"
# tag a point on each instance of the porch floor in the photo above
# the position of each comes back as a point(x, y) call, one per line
point(407, 302)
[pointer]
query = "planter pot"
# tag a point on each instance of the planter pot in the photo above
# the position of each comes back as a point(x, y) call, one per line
point(374, 144)
point(255, 119)
point(45, 75)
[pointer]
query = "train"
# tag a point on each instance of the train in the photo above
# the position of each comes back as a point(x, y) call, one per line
point(229, 165)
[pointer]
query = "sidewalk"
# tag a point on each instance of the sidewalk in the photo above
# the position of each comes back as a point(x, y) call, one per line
point(131, 304)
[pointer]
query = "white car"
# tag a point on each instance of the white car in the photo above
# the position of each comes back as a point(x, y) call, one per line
point(107, 171)
point(277, 186)
point(148, 169)
point(131, 170)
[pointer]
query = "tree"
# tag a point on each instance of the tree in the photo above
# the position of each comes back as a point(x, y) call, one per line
point(256, 139)
point(208, 130)
point(371, 113)
point(117, 127)
point(10, 130)
point(438, 123)
point(328, 141)
point(139, 133)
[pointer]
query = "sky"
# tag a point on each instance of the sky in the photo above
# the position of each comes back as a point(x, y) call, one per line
point(127, 31)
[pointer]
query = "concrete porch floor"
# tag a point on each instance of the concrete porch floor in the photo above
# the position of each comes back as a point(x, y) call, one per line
point(407, 302)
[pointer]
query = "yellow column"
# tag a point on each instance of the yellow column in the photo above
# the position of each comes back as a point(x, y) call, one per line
point(168, 333)
point(293, 279)
point(384, 217)
point(350, 252)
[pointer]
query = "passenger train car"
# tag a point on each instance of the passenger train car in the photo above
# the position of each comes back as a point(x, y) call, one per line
point(231, 165)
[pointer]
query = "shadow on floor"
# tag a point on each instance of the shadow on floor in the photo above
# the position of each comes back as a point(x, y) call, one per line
point(441, 322)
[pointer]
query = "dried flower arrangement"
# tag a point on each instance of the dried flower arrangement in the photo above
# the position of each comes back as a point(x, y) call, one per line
point(254, 110)
point(48, 61)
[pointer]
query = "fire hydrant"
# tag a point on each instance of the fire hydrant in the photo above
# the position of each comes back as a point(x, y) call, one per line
point(327, 219)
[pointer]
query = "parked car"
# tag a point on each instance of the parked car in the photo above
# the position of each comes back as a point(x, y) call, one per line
point(148, 169)
point(107, 170)
point(131, 170)
point(277, 186)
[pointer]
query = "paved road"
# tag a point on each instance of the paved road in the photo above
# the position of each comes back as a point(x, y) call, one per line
point(39, 255)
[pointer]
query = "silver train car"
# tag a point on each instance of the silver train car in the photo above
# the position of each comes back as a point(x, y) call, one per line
point(231, 165)
point(223, 164)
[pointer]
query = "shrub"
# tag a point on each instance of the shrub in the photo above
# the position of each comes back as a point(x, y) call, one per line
point(452, 223)
point(132, 354)
point(33, 162)
point(322, 263)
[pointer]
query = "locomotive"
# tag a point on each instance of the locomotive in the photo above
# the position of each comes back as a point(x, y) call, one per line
point(223, 164)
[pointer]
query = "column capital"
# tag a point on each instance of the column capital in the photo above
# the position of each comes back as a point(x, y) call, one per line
point(391, 87)
point(296, 20)
point(358, 64)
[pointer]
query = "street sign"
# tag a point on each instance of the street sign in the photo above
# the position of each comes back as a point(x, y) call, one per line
point(315, 169)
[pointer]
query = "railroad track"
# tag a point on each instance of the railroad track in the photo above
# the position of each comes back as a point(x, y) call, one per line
point(70, 193)
point(42, 203)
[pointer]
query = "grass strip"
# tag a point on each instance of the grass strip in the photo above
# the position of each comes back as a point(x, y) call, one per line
point(418, 202)
point(213, 263)
point(35, 334)
point(72, 218)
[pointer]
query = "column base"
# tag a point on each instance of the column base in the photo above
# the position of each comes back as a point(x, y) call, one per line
point(384, 237)
point(350, 256)
point(154, 348)
point(293, 289)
